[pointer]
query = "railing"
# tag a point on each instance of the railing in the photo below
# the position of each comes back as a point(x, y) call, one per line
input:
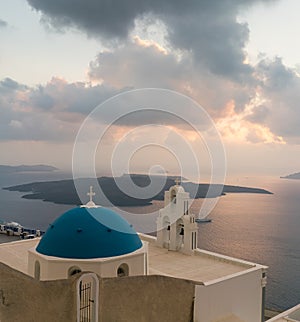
point(86, 302)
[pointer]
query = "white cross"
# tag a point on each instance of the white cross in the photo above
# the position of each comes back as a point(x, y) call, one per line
point(177, 181)
point(91, 193)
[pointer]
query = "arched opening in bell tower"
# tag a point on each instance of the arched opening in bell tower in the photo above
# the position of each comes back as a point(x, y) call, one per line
point(166, 231)
point(173, 196)
point(179, 233)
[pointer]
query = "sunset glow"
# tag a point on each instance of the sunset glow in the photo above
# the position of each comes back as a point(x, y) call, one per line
point(217, 57)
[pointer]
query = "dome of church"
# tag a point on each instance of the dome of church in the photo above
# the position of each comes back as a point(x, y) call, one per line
point(85, 233)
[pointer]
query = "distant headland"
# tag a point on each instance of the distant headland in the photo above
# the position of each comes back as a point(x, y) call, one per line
point(26, 168)
point(295, 176)
point(64, 191)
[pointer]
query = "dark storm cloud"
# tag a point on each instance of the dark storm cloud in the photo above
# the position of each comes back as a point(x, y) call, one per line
point(207, 28)
point(215, 39)
point(116, 18)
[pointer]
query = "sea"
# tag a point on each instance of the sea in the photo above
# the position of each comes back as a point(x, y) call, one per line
point(262, 228)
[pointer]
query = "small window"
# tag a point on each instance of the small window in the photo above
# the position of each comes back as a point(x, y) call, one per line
point(73, 270)
point(123, 270)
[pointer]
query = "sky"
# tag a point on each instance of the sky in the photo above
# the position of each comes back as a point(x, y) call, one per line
point(237, 59)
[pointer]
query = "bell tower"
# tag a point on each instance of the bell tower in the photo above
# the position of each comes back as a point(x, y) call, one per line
point(176, 226)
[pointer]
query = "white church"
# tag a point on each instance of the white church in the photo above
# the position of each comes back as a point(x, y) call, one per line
point(92, 266)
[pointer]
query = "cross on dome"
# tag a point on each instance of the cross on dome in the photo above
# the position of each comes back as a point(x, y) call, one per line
point(91, 203)
point(91, 194)
point(177, 181)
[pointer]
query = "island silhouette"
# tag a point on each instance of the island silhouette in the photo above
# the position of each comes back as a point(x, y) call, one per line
point(292, 176)
point(64, 191)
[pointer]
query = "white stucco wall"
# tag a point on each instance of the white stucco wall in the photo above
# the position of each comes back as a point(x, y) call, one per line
point(52, 268)
point(239, 294)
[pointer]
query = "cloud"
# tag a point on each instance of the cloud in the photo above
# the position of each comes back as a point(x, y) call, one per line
point(272, 115)
point(215, 39)
point(201, 54)
point(3, 23)
point(137, 65)
point(279, 87)
point(111, 19)
point(32, 114)
point(60, 96)
point(9, 85)
point(41, 99)
point(207, 29)
point(258, 115)
point(141, 64)
point(51, 112)
point(55, 111)
point(19, 120)
point(274, 75)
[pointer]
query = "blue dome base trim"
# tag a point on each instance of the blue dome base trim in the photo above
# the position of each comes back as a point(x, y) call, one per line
point(85, 233)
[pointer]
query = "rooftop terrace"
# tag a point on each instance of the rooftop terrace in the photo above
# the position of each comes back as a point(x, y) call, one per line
point(203, 267)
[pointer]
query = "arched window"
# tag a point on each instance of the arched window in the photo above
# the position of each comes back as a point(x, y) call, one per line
point(37, 270)
point(123, 270)
point(73, 270)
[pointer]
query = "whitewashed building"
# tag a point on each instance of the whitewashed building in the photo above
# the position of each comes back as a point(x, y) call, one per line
point(92, 243)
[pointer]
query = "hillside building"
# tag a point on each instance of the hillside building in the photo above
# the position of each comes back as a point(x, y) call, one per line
point(92, 266)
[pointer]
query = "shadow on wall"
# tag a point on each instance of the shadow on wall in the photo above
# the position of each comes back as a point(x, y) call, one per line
point(22, 298)
point(132, 298)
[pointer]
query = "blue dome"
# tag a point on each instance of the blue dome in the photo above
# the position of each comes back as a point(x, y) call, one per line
point(89, 233)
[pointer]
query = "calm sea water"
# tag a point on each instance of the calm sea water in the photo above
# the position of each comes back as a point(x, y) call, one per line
point(264, 229)
point(29, 213)
point(256, 227)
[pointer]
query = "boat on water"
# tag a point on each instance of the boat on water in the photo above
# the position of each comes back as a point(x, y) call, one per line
point(202, 220)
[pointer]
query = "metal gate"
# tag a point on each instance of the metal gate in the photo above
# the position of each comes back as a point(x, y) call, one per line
point(87, 298)
point(86, 302)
